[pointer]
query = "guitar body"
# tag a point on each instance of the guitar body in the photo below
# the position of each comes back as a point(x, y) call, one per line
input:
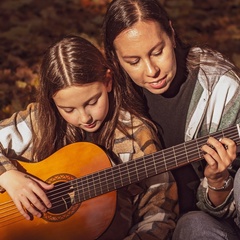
point(85, 220)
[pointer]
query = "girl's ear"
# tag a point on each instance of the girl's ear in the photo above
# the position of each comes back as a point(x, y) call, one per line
point(108, 81)
point(173, 35)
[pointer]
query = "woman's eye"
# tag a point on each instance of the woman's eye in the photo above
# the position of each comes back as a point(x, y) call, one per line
point(157, 53)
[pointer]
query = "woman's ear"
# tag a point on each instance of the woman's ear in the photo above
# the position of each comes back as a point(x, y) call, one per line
point(173, 35)
point(108, 81)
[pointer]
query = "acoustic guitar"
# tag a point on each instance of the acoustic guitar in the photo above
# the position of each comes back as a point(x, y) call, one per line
point(84, 197)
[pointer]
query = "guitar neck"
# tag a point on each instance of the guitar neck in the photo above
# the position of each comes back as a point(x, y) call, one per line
point(121, 175)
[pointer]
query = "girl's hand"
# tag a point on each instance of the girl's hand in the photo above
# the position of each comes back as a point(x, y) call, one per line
point(219, 155)
point(26, 192)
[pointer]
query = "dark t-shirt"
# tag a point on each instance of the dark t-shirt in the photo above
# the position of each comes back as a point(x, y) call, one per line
point(169, 112)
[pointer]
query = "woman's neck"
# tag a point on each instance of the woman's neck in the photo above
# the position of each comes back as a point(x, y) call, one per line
point(181, 74)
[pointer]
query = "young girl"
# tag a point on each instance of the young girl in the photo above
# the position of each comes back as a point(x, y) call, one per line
point(79, 100)
point(189, 92)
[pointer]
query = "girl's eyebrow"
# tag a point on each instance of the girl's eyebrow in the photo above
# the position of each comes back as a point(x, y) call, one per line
point(63, 106)
point(85, 103)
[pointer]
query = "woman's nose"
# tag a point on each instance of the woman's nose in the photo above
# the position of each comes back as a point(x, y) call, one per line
point(152, 70)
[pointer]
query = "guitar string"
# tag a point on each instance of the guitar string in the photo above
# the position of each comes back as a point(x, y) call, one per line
point(124, 174)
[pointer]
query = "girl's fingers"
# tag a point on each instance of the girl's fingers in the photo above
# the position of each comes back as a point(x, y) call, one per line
point(27, 209)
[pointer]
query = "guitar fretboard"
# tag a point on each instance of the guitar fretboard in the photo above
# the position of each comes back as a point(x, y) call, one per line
point(121, 175)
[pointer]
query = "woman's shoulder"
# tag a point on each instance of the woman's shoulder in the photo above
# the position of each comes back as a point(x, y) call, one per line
point(211, 64)
point(207, 57)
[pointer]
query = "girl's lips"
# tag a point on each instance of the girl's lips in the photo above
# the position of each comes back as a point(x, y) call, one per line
point(92, 125)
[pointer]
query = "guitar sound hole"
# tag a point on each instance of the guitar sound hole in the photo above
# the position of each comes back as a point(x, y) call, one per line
point(60, 197)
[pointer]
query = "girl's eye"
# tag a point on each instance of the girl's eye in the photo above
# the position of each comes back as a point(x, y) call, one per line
point(134, 62)
point(93, 102)
point(68, 110)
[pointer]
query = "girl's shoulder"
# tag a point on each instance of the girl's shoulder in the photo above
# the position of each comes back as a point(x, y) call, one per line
point(128, 118)
point(21, 115)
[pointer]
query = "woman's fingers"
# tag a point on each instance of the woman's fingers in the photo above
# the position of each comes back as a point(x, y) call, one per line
point(221, 151)
point(219, 155)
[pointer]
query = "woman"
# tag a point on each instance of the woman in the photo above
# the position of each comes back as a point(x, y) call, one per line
point(189, 91)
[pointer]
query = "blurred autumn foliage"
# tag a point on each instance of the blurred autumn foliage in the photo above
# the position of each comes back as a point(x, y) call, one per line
point(28, 27)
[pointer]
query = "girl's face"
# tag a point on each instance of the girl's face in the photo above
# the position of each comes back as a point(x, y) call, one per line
point(147, 54)
point(85, 106)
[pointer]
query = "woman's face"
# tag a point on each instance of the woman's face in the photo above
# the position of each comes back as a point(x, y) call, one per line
point(147, 54)
point(85, 106)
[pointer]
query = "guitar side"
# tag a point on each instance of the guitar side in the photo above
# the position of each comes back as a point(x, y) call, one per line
point(86, 220)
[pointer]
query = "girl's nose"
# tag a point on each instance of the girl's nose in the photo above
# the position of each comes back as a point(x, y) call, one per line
point(85, 118)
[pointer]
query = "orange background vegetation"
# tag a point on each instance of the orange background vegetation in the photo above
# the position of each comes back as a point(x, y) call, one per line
point(28, 27)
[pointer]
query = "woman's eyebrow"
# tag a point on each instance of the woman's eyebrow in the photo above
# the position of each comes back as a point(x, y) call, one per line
point(159, 44)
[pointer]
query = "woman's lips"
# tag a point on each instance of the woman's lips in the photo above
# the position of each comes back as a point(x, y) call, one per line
point(159, 84)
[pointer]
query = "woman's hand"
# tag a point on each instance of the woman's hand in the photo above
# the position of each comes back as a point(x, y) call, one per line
point(27, 192)
point(219, 155)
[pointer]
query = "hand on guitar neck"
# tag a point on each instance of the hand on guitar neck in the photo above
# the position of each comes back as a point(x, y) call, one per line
point(219, 155)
